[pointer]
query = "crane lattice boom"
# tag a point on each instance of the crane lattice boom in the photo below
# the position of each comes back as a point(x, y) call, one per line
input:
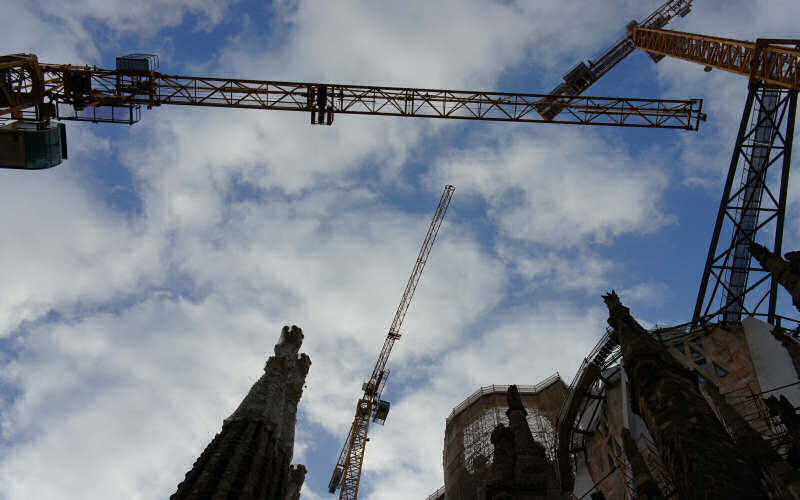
point(348, 466)
point(101, 95)
point(772, 61)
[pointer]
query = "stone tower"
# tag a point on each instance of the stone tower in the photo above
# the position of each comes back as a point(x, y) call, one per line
point(520, 469)
point(697, 451)
point(249, 458)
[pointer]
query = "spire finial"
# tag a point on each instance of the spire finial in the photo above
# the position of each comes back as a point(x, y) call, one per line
point(612, 301)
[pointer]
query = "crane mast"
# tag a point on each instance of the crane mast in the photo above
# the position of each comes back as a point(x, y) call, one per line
point(731, 284)
point(347, 471)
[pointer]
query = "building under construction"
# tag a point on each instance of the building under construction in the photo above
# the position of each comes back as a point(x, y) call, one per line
point(683, 412)
point(695, 411)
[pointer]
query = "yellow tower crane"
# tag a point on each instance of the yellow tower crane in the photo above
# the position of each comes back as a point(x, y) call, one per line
point(347, 471)
point(33, 93)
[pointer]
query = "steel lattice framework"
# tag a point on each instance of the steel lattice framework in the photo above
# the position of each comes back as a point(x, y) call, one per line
point(124, 89)
point(586, 390)
point(733, 284)
point(767, 60)
point(347, 471)
point(21, 85)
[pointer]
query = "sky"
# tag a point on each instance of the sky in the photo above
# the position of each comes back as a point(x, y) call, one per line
point(146, 279)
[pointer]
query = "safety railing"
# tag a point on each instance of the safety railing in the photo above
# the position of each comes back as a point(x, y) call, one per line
point(493, 389)
point(436, 495)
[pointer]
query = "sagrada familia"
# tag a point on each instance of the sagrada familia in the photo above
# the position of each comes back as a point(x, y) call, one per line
point(700, 413)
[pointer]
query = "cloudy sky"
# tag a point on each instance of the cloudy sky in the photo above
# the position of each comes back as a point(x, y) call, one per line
point(146, 279)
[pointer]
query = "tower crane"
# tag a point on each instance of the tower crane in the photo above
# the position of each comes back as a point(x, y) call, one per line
point(765, 137)
point(347, 471)
point(34, 93)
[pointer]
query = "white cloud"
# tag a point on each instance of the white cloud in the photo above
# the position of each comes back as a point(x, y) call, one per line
point(559, 188)
point(560, 271)
point(444, 44)
point(169, 356)
point(212, 148)
point(645, 294)
point(129, 379)
point(75, 31)
point(64, 250)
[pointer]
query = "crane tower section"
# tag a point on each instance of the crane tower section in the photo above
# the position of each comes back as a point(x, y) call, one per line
point(347, 471)
point(753, 204)
point(732, 285)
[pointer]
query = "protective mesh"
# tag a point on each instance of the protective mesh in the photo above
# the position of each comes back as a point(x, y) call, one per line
point(478, 447)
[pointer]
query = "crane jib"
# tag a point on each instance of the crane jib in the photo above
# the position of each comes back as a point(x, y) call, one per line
point(83, 93)
point(347, 472)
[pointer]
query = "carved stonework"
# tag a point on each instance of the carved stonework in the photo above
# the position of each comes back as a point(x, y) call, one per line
point(297, 476)
point(520, 469)
point(693, 445)
point(249, 459)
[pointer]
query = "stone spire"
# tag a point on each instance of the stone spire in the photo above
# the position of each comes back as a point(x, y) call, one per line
point(694, 446)
point(249, 459)
point(531, 457)
point(520, 469)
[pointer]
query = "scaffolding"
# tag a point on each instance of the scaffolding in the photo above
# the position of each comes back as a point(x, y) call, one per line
point(753, 409)
point(478, 447)
point(468, 450)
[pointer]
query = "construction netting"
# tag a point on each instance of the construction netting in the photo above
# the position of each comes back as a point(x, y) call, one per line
point(478, 447)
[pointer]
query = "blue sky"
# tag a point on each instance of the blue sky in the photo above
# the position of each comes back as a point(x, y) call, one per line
point(148, 276)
